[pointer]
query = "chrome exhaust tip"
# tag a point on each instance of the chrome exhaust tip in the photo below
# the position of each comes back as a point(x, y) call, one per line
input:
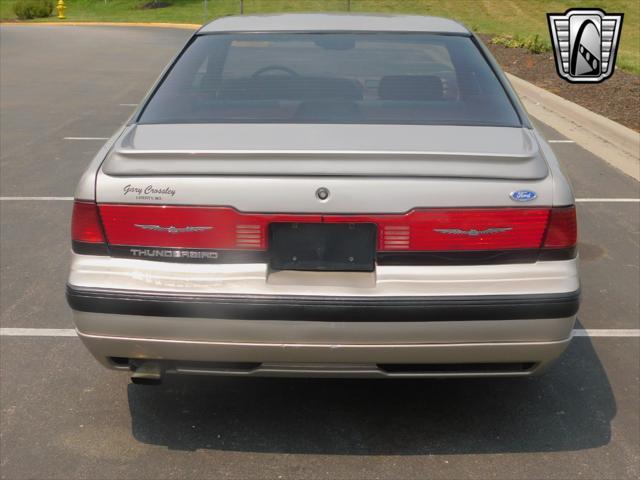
point(146, 373)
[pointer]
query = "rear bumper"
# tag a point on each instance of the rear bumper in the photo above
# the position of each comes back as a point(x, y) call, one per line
point(437, 320)
point(332, 360)
point(327, 348)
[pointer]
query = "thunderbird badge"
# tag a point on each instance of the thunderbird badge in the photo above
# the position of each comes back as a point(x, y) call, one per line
point(472, 232)
point(172, 229)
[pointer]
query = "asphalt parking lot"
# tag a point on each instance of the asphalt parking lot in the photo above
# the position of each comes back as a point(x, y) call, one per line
point(64, 416)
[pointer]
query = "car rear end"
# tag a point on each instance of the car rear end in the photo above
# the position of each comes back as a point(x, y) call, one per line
point(376, 205)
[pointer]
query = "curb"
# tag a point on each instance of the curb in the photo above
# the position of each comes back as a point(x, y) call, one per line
point(184, 26)
point(614, 143)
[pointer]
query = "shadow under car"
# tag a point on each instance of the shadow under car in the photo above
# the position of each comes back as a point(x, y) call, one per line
point(568, 408)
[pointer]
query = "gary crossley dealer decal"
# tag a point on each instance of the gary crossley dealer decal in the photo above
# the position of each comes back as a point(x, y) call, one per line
point(148, 192)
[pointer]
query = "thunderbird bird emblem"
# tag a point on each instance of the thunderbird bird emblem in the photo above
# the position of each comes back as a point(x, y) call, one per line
point(172, 229)
point(472, 232)
point(585, 43)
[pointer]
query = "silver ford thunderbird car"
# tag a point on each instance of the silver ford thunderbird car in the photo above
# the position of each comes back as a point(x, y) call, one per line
point(326, 195)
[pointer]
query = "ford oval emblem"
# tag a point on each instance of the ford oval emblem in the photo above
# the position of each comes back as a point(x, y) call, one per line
point(523, 195)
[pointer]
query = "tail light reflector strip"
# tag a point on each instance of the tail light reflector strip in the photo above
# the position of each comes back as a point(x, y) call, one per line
point(249, 236)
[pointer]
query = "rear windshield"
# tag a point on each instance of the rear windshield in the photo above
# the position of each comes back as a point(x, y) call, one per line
point(370, 78)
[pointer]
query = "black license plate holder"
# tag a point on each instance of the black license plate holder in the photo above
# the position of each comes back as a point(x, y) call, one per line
point(323, 246)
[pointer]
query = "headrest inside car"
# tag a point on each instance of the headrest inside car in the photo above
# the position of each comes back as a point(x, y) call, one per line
point(410, 87)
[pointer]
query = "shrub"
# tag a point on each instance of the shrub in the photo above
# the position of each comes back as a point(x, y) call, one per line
point(27, 9)
point(536, 45)
point(533, 44)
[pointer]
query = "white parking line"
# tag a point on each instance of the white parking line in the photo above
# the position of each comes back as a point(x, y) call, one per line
point(86, 138)
point(37, 332)
point(43, 199)
point(606, 332)
point(561, 141)
point(70, 332)
point(608, 200)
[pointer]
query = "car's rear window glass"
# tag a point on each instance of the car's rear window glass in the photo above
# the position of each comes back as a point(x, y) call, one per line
point(382, 78)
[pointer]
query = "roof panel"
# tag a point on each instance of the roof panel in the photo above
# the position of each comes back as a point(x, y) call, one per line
point(333, 22)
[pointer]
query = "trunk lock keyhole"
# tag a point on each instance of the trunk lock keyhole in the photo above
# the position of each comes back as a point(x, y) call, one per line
point(322, 194)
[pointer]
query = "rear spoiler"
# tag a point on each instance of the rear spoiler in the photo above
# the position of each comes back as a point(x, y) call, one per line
point(128, 162)
point(497, 162)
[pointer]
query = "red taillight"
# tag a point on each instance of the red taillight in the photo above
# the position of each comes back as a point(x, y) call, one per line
point(448, 230)
point(190, 227)
point(427, 230)
point(465, 229)
point(562, 231)
point(85, 223)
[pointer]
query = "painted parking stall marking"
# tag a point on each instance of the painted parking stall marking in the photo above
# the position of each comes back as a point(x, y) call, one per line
point(38, 199)
point(608, 200)
point(86, 138)
point(37, 332)
point(606, 332)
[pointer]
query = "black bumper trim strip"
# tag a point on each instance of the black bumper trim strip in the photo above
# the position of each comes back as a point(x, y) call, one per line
point(85, 248)
point(325, 308)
